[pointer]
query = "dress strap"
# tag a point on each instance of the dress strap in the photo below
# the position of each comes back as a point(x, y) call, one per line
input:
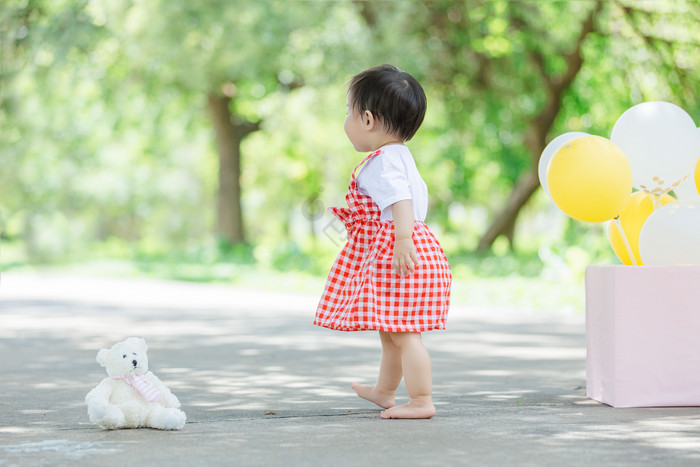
point(378, 151)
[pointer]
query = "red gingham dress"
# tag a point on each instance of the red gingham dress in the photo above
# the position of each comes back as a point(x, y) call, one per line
point(363, 292)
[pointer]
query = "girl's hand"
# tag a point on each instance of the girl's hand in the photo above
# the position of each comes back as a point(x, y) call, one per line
point(405, 258)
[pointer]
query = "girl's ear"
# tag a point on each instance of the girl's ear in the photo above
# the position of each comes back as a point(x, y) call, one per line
point(368, 120)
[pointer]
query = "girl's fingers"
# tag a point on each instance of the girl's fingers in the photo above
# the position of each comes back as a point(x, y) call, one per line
point(410, 262)
point(400, 268)
point(404, 265)
point(414, 261)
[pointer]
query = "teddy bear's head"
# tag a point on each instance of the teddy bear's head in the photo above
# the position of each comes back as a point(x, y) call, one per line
point(126, 358)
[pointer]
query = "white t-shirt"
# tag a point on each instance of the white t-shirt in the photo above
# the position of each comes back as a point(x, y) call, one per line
point(392, 176)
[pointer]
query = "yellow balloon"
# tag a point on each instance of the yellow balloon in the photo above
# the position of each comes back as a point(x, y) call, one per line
point(590, 179)
point(697, 175)
point(639, 206)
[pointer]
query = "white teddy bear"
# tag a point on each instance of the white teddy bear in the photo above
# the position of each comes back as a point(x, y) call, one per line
point(132, 396)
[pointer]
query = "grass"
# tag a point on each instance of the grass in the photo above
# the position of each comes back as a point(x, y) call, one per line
point(522, 283)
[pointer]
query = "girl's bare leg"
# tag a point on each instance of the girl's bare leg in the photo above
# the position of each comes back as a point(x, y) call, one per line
point(417, 375)
point(390, 373)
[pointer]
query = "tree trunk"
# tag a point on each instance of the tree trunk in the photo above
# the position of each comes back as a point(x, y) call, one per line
point(229, 134)
point(504, 224)
point(535, 139)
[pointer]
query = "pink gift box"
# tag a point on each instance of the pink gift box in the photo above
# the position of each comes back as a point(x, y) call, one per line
point(643, 335)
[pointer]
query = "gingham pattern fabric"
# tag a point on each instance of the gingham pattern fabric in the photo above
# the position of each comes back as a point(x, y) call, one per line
point(363, 292)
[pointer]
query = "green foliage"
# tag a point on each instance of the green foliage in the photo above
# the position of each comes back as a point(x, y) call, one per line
point(107, 151)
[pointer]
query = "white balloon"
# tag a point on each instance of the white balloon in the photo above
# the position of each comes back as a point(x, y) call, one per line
point(687, 191)
point(548, 153)
point(671, 235)
point(660, 141)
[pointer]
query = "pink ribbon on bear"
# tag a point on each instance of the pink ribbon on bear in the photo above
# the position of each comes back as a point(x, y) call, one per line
point(138, 382)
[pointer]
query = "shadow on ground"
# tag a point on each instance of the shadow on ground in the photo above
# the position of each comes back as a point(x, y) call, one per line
point(261, 385)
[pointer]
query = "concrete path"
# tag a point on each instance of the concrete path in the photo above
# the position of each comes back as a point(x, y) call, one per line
point(262, 386)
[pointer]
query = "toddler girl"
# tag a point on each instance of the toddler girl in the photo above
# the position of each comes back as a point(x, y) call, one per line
point(392, 275)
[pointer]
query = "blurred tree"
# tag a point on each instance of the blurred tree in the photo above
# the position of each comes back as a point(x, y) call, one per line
point(126, 123)
point(36, 37)
point(121, 88)
point(511, 74)
point(554, 84)
point(514, 65)
point(230, 52)
point(610, 34)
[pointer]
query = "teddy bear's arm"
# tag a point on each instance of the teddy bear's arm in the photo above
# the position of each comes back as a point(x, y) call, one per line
point(168, 397)
point(102, 392)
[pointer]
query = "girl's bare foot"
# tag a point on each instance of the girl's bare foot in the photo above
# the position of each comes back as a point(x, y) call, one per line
point(383, 400)
point(416, 408)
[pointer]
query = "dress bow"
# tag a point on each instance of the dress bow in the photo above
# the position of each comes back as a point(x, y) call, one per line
point(345, 215)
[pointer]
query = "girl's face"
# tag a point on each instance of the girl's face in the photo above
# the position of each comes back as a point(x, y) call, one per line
point(355, 128)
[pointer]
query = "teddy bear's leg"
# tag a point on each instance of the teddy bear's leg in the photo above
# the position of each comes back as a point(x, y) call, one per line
point(136, 413)
point(106, 415)
point(165, 418)
point(175, 419)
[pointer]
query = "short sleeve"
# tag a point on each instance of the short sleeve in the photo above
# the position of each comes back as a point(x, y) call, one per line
point(384, 179)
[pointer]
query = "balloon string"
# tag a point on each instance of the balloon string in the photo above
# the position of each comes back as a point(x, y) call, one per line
point(624, 240)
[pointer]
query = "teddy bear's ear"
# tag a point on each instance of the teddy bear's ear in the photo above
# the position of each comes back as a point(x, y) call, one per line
point(102, 357)
point(139, 342)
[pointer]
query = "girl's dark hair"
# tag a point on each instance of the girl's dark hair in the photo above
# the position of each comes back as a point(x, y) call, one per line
point(393, 96)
